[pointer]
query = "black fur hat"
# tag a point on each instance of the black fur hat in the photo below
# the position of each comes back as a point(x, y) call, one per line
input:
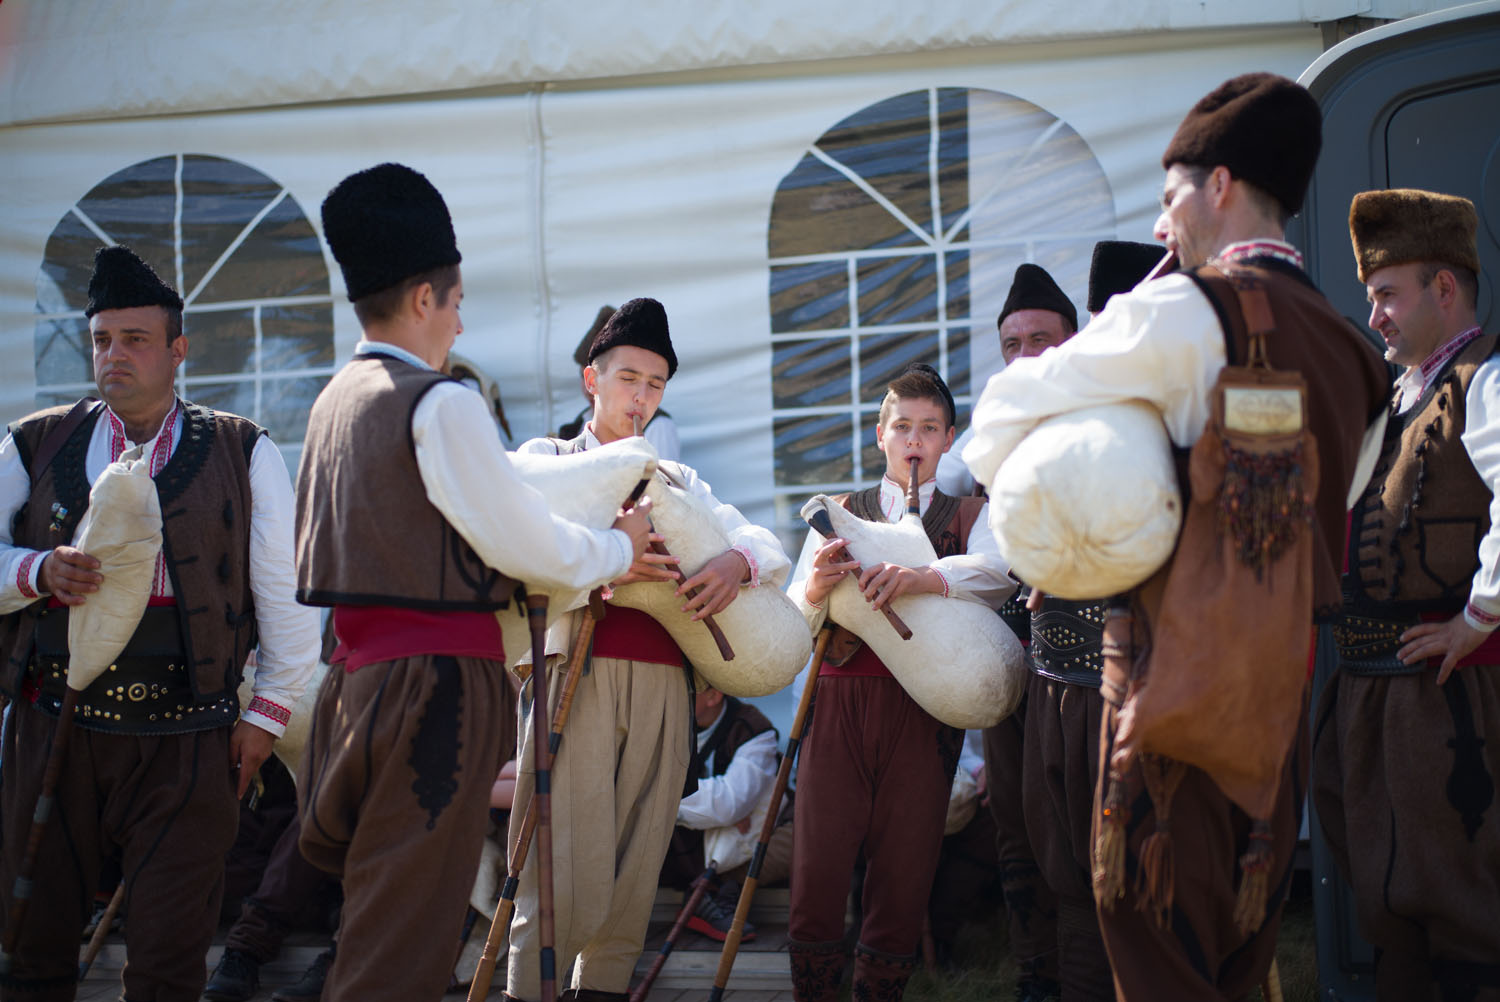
point(1118, 266)
point(581, 353)
point(641, 323)
point(1266, 129)
point(121, 280)
point(1034, 289)
point(386, 224)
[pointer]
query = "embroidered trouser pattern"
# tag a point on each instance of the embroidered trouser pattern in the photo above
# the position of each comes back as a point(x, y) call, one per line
point(395, 785)
point(1405, 777)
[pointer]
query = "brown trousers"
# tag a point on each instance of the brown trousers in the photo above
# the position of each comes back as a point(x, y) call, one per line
point(395, 784)
point(291, 893)
point(1029, 903)
point(1199, 954)
point(875, 773)
point(166, 805)
point(1061, 768)
point(1404, 775)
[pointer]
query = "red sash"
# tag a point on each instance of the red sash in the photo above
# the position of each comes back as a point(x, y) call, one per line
point(371, 633)
point(862, 664)
point(631, 635)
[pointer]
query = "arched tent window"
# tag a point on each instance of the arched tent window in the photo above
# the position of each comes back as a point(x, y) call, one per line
point(894, 240)
point(258, 308)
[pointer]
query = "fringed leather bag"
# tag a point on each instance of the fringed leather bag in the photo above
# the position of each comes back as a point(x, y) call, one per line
point(1216, 673)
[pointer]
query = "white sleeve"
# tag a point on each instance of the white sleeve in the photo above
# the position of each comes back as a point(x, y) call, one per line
point(725, 800)
point(1161, 343)
point(953, 477)
point(757, 544)
point(797, 590)
point(1481, 440)
point(1369, 455)
point(980, 574)
point(470, 479)
point(19, 566)
point(662, 434)
point(971, 757)
point(290, 633)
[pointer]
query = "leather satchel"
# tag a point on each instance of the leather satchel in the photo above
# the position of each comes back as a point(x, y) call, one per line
point(1219, 679)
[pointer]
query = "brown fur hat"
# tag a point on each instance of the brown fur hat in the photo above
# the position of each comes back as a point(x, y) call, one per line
point(1400, 225)
point(1266, 129)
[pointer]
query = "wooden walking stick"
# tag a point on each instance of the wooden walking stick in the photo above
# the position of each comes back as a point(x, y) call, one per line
point(1270, 989)
point(700, 887)
point(541, 798)
point(21, 895)
point(96, 941)
point(783, 774)
point(484, 974)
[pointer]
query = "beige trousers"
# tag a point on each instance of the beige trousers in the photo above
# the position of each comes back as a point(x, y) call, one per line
point(616, 784)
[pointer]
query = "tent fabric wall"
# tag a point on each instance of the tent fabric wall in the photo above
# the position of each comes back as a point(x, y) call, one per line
point(571, 196)
point(178, 56)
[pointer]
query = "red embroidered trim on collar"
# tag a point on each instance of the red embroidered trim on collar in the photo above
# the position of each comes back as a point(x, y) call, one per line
point(1456, 344)
point(1278, 249)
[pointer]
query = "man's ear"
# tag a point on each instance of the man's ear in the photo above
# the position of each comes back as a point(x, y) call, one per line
point(422, 300)
point(948, 442)
point(179, 348)
point(590, 379)
point(1218, 183)
point(1445, 288)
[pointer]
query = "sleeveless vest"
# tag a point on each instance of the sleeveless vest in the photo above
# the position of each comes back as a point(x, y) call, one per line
point(740, 723)
point(366, 533)
point(206, 503)
point(1415, 532)
point(1316, 340)
point(947, 522)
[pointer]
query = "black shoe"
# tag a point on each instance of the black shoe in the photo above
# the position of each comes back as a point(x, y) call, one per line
point(309, 987)
point(235, 979)
point(116, 924)
point(714, 916)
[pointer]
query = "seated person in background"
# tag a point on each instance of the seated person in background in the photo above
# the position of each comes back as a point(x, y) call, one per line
point(729, 785)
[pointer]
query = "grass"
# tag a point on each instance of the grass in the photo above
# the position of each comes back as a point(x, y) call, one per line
point(985, 972)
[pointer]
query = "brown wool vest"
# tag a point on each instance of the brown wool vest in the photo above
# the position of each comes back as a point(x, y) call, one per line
point(1414, 539)
point(205, 504)
point(1343, 397)
point(366, 533)
point(947, 521)
point(741, 723)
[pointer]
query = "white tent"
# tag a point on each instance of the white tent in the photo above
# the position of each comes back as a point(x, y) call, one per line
point(595, 151)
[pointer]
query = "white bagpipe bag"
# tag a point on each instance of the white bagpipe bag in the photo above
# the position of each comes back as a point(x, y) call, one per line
point(962, 664)
point(767, 631)
point(1087, 505)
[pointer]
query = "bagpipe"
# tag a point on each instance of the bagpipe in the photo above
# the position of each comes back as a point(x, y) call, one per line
point(959, 661)
point(754, 647)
